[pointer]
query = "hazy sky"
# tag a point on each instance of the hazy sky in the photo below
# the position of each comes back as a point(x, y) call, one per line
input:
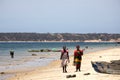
point(72, 16)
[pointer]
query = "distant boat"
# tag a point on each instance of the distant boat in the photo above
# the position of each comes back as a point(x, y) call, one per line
point(45, 50)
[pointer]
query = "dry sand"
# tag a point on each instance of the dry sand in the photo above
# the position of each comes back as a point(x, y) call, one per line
point(53, 71)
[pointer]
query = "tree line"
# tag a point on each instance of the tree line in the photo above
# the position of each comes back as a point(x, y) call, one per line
point(57, 36)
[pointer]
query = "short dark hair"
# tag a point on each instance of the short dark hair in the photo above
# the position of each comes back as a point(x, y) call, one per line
point(77, 46)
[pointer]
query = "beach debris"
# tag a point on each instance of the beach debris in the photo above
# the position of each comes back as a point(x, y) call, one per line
point(74, 75)
point(68, 76)
point(42, 57)
point(2, 72)
point(71, 76)
point(112, 67)
point(34, 54)
point(87, 74)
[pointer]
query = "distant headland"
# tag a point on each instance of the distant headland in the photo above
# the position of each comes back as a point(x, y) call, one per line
point(59, 37)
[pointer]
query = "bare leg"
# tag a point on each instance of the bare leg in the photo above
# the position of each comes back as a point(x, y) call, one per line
point(79, 66)
point(65, 68)
point(12, 56)
point(76, 67)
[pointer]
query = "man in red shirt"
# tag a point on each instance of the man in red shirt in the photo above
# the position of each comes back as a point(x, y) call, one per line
point(78, 57)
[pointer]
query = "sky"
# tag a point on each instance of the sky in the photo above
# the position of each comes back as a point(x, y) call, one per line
point(60, 16)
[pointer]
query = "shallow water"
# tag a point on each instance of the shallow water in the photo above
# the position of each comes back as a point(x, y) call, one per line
point(22, 54)
point(24, 61)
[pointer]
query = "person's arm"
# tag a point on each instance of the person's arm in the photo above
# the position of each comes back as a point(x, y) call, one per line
point(68, 54)
point(81, 51)
point(61, 55)
point(74, 57)
point(68, 57)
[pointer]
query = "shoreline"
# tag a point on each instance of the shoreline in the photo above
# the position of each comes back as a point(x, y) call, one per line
point(87, 41)
point(54, 66)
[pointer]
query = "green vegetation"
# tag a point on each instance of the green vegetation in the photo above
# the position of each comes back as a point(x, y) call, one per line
point(57, 36)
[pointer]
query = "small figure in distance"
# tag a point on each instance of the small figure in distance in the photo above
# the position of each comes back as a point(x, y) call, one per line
point(12, 53)
point(86, 47)
point(65, 59)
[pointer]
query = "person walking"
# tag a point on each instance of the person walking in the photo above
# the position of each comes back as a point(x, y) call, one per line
point(77, 57)
point(65, 59)
point(12, 53)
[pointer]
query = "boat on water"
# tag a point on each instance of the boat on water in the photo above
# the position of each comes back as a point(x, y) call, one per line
point(105, 67)
point(45, 50)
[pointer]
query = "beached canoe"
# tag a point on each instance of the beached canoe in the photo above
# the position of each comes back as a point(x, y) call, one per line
point(104, 67)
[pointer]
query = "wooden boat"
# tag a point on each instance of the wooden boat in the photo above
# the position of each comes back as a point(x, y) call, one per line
point(104, 67)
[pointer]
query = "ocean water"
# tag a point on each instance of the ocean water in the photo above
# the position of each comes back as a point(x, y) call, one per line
point(21, 48)
point(24, 60)
point(22, 54)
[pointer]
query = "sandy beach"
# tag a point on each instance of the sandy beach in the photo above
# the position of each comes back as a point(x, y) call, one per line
point(53, 70)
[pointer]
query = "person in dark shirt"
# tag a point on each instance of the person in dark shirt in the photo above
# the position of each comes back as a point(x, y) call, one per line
point(12, 53)
point(78, 57)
